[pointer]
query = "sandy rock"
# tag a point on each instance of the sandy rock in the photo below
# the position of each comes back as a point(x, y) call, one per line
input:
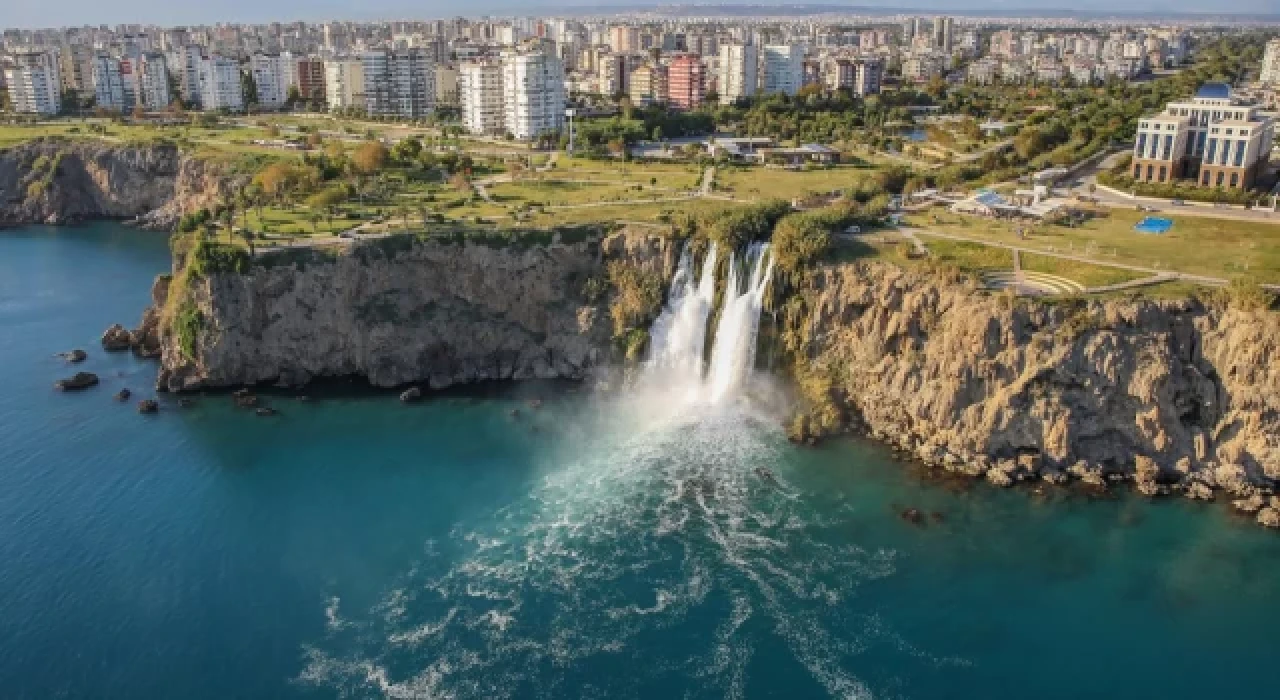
point(1269, 517)
point(1252, 504)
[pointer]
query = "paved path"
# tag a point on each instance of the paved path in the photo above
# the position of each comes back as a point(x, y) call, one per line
point(708, 180)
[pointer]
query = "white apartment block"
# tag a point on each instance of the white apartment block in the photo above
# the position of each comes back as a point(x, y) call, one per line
point(270, 76)
point(344, 83)
point(220, 84)
point(738, 72)
point(153, 81)
point(34, 85)
point(533, 93)
point(399, 83)
point(1270, 74)
point(480, 90)
point(108, 88)
point(185, 61)
point(783, 68)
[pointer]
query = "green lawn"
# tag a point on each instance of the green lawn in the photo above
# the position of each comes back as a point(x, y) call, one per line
point(971, 257)
point(1212, 247)
point(760, 182)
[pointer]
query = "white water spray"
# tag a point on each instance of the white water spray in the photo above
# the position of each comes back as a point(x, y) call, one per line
point(679, 336)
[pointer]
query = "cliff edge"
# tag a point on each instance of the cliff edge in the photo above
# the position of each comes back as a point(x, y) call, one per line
point(1176, 396)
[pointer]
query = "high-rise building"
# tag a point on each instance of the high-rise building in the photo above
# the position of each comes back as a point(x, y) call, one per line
point(1004, 44)
point(481, 94)
point(153, 81)
point(738, 72)
point(270, 77)
point(446, 85)
point(344, 83)
point(648, 84)
point(399, 83)
point(533, 93)
point(311, 79)
point(108, 90)
point(220, 87)
point(783, 68)
point(34, 83)
point(685, 81)
point(624, 39)
point(943, 33)
point(1270, 74)
point(186, 61)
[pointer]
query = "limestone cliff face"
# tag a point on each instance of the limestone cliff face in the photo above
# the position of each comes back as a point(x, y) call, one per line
point(1172, 395)
point(434, 313)
point(60, 181)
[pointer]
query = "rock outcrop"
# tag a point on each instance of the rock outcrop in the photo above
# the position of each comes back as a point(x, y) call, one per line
point(1174, 396)
point(59, 181)
point(399, 311)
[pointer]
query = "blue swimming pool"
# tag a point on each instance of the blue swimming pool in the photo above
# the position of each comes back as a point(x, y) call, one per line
point(1153, 224)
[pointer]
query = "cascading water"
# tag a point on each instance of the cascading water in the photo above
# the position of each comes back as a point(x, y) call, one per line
point(679, 335)
point(734, 351)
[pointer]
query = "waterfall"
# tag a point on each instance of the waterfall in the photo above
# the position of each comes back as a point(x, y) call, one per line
point(734, 351)
point(679, 336)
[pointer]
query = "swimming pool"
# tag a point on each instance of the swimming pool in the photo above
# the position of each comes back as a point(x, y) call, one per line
point(1153, 224)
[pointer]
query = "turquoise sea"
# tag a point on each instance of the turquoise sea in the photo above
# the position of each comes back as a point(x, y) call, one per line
point(591, 547)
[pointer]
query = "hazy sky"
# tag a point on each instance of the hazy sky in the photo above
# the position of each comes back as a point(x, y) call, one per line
point(51, 13)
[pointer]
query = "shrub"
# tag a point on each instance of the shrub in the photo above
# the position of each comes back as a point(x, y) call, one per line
point(637, 296)
point(209, 258)
point(188, 324)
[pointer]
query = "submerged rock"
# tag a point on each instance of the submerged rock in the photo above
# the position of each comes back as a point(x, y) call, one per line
point(75, 356)
point(123, 395)
point(147, 406)
point(266, 411)
point(913, 516)
point(411, 394)
point(80, 380)
point(245, 400)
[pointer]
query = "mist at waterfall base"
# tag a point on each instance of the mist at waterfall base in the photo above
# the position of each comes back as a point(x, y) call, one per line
point(665, 542)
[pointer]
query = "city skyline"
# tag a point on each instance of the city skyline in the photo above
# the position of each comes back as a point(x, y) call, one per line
point(31, 14)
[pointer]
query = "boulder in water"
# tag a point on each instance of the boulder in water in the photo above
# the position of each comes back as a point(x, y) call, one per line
point(245, 400)
point(147, 406)
point(123, 395)
point(74, 356)
point(1269, 517)
point(116, 339)
point(80, 380)
point(913, 516)
point(411, 394)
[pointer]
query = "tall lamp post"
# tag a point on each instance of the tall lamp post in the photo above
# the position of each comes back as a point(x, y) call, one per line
point(570, 113)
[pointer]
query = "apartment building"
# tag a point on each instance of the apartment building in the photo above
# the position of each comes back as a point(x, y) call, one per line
point(399, 83)
point(34, 83)
point(858, 76)
point(153, 81)
point(481, 94)
point(108, 88)
point(186, 62)
point(648, 84)
point(1270, 74)
point(686, 85)
point(344, 83)
point(310, 79)
point(271, 78)
point(783, 68)
point(738, 74)
point(1212, 140)
point(446, 85)
point(220, 87)
point(624, 39)
point(533, 93)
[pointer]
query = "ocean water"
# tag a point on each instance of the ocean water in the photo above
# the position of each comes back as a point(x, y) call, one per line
point(594, 547)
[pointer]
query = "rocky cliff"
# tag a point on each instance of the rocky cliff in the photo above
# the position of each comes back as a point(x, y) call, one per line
point(1175, 396)
point(58, 181)
point(399, 311)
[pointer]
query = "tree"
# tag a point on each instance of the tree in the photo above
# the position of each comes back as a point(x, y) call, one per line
point(248, 89)
point(370, 157)
point(407, 150)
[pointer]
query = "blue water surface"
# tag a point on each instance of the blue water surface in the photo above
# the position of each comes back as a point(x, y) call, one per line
point(590, 547)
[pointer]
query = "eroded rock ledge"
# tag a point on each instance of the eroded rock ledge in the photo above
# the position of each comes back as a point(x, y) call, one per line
point(59, 181)
point(1174, 396)
point(398, 311)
